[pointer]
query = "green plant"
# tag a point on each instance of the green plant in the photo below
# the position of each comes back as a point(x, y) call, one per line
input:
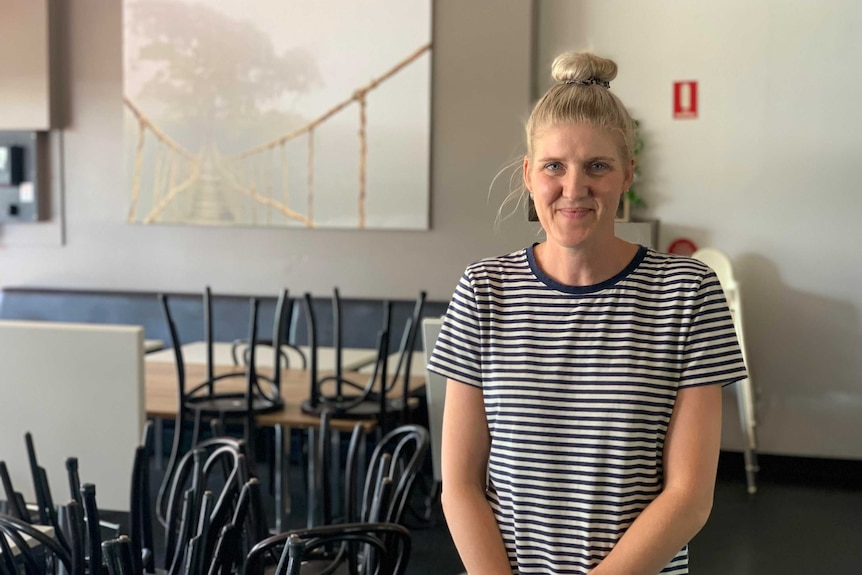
point(632, 194)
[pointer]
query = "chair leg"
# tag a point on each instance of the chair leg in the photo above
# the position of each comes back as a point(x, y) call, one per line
point(745, 399)
point(196, 429)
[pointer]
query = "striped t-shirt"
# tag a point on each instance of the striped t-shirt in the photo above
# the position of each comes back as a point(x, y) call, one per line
point(579, 384)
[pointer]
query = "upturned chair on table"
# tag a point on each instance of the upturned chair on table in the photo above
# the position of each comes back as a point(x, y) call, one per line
point(211, 398)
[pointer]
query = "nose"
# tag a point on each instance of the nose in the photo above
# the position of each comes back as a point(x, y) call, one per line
point(576, 186)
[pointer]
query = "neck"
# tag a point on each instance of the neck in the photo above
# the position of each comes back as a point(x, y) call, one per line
point(584, 266)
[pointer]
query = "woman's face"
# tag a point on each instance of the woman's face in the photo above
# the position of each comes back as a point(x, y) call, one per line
point(576, 175)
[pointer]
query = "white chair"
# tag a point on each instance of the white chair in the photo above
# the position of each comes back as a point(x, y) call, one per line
point(720, 263)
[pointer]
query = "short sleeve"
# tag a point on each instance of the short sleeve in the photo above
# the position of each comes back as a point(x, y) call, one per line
point(712, 354)
point(456, 354)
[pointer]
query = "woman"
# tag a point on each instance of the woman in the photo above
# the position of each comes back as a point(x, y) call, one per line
point(583, 406)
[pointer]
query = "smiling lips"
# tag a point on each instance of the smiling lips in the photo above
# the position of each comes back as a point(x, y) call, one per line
point(574, 212)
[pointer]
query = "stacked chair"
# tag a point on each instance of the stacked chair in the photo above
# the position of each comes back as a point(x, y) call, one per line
point(209, 503)
point(207, 400)
point(368, 537)
point(372, 548)
point(54, 554)
point(68, 536)
point(372, 399)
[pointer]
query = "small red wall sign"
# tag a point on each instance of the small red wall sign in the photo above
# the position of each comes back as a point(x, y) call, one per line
point(685, 100)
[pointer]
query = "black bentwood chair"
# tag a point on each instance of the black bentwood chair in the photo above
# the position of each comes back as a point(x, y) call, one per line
point(202, 499)
point(373, 549)
point(374, 490)
point(16, 506)
point(371, 400)
point(47, 512)
point(284, 322)
point(52, 556)
point(204, 399)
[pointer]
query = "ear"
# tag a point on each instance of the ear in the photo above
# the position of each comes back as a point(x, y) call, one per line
point(527, 182)
point(630, 176)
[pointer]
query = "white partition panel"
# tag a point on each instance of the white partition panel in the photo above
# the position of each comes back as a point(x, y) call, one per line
point(435, 386)
point(78, 389)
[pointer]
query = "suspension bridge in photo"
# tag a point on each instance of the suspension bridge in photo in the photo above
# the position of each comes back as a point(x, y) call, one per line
point(207, 187)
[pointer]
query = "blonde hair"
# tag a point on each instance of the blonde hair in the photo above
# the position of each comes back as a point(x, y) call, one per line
point(578, 97)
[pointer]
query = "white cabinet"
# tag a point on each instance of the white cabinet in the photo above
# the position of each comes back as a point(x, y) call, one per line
point(24, 65)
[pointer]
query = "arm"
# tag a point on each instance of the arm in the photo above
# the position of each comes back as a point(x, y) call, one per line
point(465, 450)
point(681, 510)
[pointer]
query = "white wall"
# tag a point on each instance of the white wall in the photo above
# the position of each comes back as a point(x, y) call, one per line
point(768, 173)
point(481, 77)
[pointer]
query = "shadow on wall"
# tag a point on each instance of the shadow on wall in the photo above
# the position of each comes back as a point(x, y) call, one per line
point(805, 352)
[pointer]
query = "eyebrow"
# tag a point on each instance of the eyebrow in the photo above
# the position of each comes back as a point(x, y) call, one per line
point(609, 159)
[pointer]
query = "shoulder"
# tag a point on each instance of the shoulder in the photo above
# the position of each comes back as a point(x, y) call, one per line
point(498, 267)
point(674, 269)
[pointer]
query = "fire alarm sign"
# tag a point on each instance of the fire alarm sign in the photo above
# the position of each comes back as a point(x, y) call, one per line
point(685, 99)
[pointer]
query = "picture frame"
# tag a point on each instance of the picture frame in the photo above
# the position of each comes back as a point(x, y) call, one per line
point(624, 210)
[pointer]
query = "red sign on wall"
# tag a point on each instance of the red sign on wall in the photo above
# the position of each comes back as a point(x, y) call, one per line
point(685, 100)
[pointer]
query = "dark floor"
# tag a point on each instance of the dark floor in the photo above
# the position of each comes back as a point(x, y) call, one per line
point(806, 518)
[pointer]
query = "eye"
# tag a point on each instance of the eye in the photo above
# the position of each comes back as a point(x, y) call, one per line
point(553, 166)
point(599, 167)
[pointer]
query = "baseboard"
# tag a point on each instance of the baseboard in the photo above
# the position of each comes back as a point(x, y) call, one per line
point(806, 471)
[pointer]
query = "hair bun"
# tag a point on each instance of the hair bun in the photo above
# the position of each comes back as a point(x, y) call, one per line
point(582, 66)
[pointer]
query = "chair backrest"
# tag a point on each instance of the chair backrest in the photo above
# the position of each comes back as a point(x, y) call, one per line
point(216, 465)
point(53, 553)
point(350, 399)
point(202, 397)
point(372, 399)
point(44, 500)
point(140, 516)
point(397, 458)
point(403, 368)
point(15, 504)
point(723, 268)
point(283, 335)
point(376, 488)
point(371, 549)
point(119, 556)
point(228, 556)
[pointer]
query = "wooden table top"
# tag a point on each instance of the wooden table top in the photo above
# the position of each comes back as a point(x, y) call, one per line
point(161, 393)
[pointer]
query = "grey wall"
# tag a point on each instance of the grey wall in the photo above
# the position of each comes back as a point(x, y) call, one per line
point(481, 79)
point(767, 173)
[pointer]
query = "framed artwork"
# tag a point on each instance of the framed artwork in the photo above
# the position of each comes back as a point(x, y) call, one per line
point(285, 113)
point(624, 210)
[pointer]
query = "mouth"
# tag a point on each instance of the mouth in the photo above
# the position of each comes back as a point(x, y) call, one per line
point(574, 212)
